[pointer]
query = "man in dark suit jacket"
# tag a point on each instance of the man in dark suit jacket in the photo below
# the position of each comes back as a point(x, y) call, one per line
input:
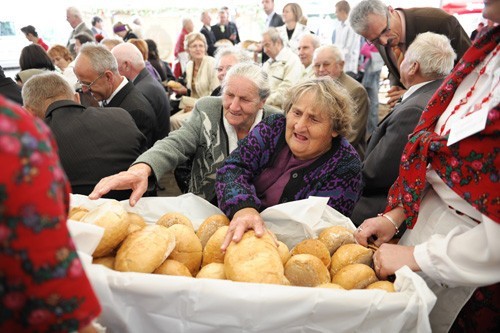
point(74, 18)
point(131, 65)
point(93, 143)
point(206, 30)
point(97, 72)
point(273, 20)
point(9, 88)
point(383, 26)
point(427, 61)
point(225, 29)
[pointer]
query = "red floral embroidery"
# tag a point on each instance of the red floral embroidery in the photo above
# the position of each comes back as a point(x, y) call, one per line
point(470, 166)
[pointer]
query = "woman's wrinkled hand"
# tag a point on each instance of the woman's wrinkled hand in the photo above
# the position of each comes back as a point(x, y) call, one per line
point(135, 178)
point(243, 220)
point(374, 230)
point(390, 257)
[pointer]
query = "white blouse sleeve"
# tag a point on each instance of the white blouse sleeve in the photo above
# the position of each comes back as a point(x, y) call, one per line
point(463, 257)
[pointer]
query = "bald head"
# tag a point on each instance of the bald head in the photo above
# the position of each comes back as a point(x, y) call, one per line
point(129, 59)
point(307, 44)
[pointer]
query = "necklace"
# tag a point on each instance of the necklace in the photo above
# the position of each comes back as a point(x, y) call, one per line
point(470, 92)
point(478, 106)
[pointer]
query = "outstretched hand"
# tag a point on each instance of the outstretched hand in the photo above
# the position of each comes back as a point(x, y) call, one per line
point(135, 178)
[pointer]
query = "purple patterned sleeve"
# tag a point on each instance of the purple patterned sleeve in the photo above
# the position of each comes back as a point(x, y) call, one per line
point(234, 185)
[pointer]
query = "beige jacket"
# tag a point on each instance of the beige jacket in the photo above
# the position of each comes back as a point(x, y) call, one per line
point(206, 79)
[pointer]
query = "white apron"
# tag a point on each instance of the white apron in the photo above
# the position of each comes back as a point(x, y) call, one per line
point(436, 217)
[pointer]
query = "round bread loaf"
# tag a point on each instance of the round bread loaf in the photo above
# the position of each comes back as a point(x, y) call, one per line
point(174, 84)
point(254, 259)
point(137, 222)
point(173, 267)
point(336, 236)
point(187, 247)
point(330, 285)
point(210, 226)
point(284, 252)
point(214, 270)
point(114, 219)
point(108, 261)
point(384, 285)
point(169, 219)
point(355, 276)
point(76, 213)
point(212, 252)
point(144, 250)
point(314, 247)
point(350, 254)
point(306, 270)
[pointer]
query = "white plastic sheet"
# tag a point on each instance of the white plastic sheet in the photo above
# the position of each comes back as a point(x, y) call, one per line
point(136, 302)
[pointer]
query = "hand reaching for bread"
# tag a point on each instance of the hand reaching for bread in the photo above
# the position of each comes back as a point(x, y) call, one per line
point(244, 219)
point(135, 178)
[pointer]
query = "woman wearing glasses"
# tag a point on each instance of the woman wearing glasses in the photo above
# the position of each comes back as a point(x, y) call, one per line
point(200, 76)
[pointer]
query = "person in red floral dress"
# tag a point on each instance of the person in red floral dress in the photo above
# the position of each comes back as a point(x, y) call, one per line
point(43, 285)
point(448, 194)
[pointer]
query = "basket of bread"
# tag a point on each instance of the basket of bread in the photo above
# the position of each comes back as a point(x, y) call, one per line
point(159, 264)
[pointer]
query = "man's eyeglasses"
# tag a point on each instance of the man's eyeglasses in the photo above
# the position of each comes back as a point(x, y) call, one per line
point(88, 86)
point(386, 30)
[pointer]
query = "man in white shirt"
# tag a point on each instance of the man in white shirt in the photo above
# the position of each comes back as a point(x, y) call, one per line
point(283, 66)
point(307, 44)
point(273, 19)
point(346, 39)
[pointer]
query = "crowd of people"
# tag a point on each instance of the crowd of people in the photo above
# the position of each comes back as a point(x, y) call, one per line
point(248, 126)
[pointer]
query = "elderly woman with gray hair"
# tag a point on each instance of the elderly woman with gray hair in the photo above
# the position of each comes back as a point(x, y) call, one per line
point(291, 157)
point(225, 58)
point(210, 134)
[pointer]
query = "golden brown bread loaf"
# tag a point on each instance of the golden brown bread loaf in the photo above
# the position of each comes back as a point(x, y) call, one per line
point(173, 84)
point(173, 267)
point(314, 247)
point(169, 219)
point(114, 219)
point(355, 276)
point(144, 250)
point(137, 222)
point(108, 261)
point(384, 285)
point(336, 236)
point(187, 247)
point(306, 270)
point(350, 254)
point(284, 252)
point(214, 270)
point(210, 226)
point(76, 213)
point(254, 259)
point(330, 285)
point(212, 252)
